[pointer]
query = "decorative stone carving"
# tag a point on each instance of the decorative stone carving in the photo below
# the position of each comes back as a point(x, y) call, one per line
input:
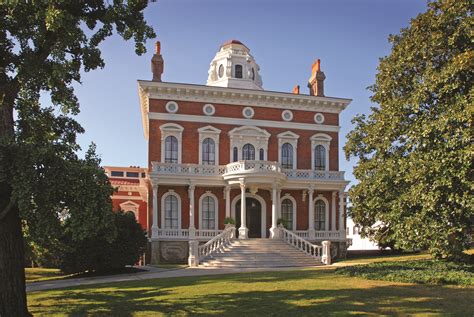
point(174, 251)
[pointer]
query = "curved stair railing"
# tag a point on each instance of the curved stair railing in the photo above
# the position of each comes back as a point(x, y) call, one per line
point(217, 244)
point(318, 252)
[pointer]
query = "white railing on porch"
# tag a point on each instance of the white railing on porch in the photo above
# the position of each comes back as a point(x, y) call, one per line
point(183, 234)
point(320, 235)
point(241, 166)
point(319, 253)
point(217, 244)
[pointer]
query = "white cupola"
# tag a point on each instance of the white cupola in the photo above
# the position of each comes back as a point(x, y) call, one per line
point(234, 67)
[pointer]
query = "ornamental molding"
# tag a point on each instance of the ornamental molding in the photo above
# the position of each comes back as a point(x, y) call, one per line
point(234, 96)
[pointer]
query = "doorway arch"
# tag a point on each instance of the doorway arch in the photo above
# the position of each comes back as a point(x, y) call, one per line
point(263, 229)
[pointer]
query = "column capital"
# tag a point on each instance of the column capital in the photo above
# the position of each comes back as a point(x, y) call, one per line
point(334, 194)
point(154, 184)
point(311, 189)
point(191, 188)
point(242, 183)
point(275, 186)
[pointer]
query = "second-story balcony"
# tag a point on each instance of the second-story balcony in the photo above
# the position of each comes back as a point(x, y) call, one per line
point(243, 168)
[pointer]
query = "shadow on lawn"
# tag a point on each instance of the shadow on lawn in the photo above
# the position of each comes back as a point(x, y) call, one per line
point(160, 296)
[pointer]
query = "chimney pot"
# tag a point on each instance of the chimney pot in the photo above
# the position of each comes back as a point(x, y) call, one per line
point(158, 47)
point(296, 89)
point(316, 81)
point(157, 63)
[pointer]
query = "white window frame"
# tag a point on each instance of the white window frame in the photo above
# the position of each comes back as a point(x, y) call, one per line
point(216, 209)
point(171, 129)
point(291, 138)
point(325, 141)
point(326, 215)
point(169, 103)
point(163, 211)
point(249, 134)
point(130, 206)
point(293, 200)
point(212, 133)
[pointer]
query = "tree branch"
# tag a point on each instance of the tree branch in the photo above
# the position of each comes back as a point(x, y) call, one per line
point(7, 209)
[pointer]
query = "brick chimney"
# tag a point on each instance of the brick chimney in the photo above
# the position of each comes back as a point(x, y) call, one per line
point(157, 63)
point(316, 81)
point(296, 89)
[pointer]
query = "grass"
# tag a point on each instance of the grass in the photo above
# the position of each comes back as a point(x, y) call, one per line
point(420, 271)
point(295, 293)
point(42, 274)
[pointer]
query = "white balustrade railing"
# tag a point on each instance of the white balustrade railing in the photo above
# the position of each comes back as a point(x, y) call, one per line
point(173, 233)
point(315, 251)
point(202, 233)
point(242, 166)
point(216, 244)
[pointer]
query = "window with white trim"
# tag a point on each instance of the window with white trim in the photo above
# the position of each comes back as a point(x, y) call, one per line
point(320, 215)
point(171, 143)
point(208, 212)
point(171, 211)
point(208, 152)
point(287, 212)
point(320, 144)
point(209, 145)
point(287, 156)
point(287, 146)
point(251, 137)
point(248, 152)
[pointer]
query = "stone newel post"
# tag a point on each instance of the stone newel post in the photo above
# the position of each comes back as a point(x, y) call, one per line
point(193, 259)
point(326, 257)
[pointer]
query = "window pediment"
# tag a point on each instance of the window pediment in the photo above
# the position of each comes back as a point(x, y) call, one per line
point(249, 131)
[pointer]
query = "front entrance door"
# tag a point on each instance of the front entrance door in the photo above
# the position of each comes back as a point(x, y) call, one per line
point(254, 217)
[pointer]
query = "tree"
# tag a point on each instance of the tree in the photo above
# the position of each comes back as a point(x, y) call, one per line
point(414, 150)
point(96, 253)
point(43, 47)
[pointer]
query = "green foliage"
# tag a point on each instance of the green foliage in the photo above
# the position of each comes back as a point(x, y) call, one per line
point(229, 221)
point(421, 272)
point(98, 253)
point(414, 150)
point(283, 222)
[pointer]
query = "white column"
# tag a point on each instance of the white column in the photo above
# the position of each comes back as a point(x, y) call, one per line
point(243, 230)
point(227, 201)
point(341, 211)
point(274, 229)
point(278, 204)
point(192, 228)
point(154, 227)
point(311, 213)
point(333, 212)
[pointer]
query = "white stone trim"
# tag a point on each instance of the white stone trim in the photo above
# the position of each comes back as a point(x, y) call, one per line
point(326, 215)
point(243, 122)
point(249, 134)
point(171, 129)
point(291, 138)
point(248, 116)
point(283, 114)
point(163, 211)
point(325, 141)
point(293, 200)
point(216, 209)
point(169, 104)
point(208, 105)
point(214, 134)
point(130, 206)
point(319, 120)
point(263, 211)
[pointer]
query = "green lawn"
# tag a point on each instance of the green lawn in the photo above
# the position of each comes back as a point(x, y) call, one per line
point(296, 293)
point(40, 274)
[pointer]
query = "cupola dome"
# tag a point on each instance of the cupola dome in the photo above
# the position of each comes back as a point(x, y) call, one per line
point(234, 67)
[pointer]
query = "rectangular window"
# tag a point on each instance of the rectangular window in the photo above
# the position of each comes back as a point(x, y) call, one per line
point(116, 173)
point(133, 174)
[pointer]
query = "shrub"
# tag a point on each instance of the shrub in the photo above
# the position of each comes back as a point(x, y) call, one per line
point(283, 222)
point(98, 254)
point(229, 221)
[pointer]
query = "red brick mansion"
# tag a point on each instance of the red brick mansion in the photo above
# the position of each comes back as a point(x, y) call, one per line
point(230, 149)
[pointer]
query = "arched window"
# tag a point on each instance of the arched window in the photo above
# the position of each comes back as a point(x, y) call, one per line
point(248, 152)
point(171, 149)
point(208, 210)
point(287, 156)
point(238, 71)
point(287, 212)
point(171, 212)
point(208, 152)
point(319, 215)
point(235, 154)
point(262, 154)
point(319, 158)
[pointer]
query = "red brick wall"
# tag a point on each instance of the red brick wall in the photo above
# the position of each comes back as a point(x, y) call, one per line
point(142, 209)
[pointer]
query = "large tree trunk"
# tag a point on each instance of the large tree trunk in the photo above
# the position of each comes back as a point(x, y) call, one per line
point(12, 267)
point(12, 263)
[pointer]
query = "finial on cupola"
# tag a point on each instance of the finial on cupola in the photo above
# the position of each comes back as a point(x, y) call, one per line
point(316, 81)
point(157, 63)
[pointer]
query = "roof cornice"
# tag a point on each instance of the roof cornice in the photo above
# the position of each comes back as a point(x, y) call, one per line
point(245, 97)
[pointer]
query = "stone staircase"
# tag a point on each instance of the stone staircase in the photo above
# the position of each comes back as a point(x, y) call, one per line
point(259, 253)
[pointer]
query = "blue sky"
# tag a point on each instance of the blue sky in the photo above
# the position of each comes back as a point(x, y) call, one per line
point(285, 37)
